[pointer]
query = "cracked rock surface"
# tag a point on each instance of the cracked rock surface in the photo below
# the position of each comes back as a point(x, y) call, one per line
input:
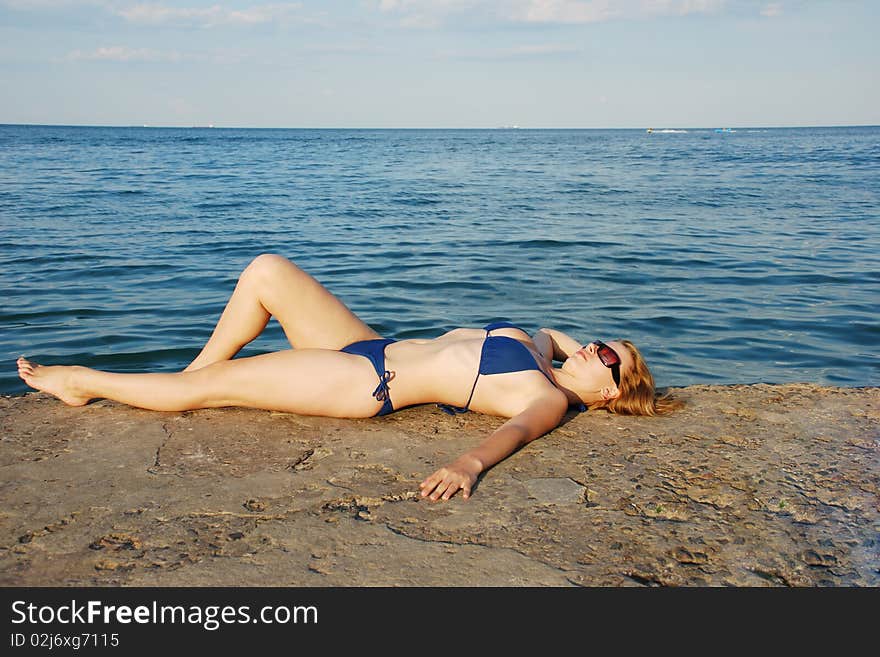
point(753, 485)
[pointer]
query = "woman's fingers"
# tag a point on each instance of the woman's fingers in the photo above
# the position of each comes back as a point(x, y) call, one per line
point(440, 489)
point(451, 489)
point(443, 484)
point(431, 482)
point(439, 484)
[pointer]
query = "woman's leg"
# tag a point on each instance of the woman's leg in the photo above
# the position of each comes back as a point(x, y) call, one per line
point(272, 285)
point(304, 381)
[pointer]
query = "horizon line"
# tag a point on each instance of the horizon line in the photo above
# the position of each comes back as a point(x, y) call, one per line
point(211, 126)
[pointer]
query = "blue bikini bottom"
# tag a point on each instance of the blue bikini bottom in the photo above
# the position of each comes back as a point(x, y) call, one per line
point(374, 350)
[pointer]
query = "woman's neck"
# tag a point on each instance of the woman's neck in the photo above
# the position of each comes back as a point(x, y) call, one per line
point(566, 383)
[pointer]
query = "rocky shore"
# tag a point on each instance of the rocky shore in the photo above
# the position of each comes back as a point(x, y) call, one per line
point(749, 485)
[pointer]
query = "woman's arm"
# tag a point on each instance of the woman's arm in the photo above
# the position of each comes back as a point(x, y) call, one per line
point(541, 416)
point(554, 344)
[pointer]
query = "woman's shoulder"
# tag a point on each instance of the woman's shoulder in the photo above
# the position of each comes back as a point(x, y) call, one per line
point(546, 407)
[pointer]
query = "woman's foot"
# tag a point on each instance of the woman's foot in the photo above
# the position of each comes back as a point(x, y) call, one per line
point(57, 380)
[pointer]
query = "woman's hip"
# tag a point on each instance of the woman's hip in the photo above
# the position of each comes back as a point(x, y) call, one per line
point(303, 381)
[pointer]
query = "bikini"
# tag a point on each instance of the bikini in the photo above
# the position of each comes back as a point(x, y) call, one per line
point(374, 350)
point(499, 355)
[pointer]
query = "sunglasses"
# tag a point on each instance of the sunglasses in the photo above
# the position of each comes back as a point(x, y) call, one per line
point(609, 359)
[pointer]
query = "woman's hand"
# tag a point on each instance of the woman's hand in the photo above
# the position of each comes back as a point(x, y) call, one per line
point(460, 475)
point(558, 345)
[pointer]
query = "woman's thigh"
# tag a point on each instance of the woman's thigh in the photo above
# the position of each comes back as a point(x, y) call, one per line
point(311, 316)
point(303, 381)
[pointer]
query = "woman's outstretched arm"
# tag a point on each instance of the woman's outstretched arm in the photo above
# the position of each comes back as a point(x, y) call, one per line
point(541, 416)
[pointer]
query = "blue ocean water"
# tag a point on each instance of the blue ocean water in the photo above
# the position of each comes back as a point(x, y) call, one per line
point(740, 257)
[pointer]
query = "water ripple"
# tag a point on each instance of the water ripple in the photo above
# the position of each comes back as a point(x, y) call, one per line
point(735, 258)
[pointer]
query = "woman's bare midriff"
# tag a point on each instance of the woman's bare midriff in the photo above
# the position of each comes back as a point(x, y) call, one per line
point(443, 370)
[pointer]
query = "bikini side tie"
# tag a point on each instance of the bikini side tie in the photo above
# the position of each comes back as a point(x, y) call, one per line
point(382, 391)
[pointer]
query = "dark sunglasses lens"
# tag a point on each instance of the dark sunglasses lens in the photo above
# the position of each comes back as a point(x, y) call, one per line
point(608, 356)
point(609, 359)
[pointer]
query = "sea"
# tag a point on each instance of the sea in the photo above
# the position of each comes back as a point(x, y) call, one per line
point(729, 257)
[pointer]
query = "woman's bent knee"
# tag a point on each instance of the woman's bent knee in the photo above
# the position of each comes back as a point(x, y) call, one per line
point(268, 262)
point(267, 267)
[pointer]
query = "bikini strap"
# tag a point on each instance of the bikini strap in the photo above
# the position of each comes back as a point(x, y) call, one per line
point(449, 409)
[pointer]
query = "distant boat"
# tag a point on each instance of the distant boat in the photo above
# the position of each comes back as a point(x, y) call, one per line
point(665, 131)
point(724, 130)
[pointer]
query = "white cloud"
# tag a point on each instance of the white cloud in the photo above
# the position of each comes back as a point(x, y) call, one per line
point(123, 54)
point(156, 13)
point(346, 49)
point(678, 7)
point(596, 11)
point(430, 13)
point(427, 13)
point(566, 11)
point(35, 5)
point(510, 53)
point(550, 49)
point(213, 16)
point(772, 10)
point(429, 6)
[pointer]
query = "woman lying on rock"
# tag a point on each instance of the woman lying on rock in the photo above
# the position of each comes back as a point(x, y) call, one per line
point(337, 362)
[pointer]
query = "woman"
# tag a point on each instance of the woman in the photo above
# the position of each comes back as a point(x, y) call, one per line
point(340, 367)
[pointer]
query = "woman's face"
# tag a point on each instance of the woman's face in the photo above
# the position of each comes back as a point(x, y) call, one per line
point(593, 377)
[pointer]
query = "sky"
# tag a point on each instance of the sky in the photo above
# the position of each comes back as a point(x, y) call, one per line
point(440, 63)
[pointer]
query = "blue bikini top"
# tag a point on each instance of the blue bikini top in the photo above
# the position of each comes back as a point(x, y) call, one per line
point(499, 355)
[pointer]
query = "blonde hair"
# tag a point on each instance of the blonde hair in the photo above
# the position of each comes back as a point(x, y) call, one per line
point(638, 395)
